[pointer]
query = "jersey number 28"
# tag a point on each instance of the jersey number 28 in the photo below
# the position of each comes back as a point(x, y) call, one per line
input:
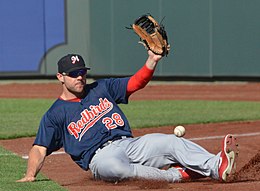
point(113, 122)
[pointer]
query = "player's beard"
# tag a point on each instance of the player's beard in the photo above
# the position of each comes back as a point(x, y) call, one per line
point(77, 88)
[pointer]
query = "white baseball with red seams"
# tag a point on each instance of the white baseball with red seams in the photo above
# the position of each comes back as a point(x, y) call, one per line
point(179, 131)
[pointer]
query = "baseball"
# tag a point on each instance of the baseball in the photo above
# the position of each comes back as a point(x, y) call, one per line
point(179, 131)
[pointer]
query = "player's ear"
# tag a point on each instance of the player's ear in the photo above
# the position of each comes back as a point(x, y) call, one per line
point(60, 77)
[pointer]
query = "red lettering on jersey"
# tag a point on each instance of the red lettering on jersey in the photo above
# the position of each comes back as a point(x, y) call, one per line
point(89, 118)
point(80, 124)
point(73, 130)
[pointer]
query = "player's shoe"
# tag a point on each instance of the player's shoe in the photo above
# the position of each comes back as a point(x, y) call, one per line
point(183, 172)
point(228, 156)
point(186, 173)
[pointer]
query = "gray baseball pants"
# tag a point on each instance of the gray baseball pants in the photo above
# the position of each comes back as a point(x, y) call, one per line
point(143, 157)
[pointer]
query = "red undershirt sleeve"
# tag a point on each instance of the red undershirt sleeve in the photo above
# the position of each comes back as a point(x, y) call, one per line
point(139, 80)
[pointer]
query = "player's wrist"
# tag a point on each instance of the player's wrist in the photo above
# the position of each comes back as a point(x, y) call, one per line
point(152, 60)
point(154, 57)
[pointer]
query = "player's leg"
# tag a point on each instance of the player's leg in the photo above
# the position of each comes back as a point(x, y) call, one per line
point(144, 157)
point(112, 164)
point(158, 150)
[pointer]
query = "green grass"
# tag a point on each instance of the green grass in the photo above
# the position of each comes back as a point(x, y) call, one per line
point(13, 167)
point(20, 117)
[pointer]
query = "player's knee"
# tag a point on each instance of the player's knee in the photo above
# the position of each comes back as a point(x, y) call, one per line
point(114, 169)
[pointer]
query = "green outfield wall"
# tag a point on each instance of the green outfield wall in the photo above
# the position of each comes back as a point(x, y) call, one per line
point(209, 38)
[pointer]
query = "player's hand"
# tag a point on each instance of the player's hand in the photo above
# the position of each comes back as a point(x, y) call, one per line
point(27, 179)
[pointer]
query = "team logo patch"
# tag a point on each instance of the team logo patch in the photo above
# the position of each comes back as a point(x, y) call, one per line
point(74, 59)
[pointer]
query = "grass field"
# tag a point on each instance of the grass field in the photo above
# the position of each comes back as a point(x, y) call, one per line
point(13, 167)
point(20, 118)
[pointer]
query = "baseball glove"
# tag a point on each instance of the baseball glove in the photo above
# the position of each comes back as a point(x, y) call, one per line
point(152, 35)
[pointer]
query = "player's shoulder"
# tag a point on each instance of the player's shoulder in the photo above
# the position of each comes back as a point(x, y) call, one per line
point(108, 82)
point(99, 83)
point(57, 106)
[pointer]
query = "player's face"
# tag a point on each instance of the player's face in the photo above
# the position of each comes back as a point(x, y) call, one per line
point(75, 81)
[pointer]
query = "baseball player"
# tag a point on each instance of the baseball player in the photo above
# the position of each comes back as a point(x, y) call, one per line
point(87, 122)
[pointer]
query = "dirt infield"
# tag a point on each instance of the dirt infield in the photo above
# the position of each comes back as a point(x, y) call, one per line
point(61, 169)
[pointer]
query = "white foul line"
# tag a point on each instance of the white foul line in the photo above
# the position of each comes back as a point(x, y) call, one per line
point(220, 137)
point(54, 153)
point(192, 139)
